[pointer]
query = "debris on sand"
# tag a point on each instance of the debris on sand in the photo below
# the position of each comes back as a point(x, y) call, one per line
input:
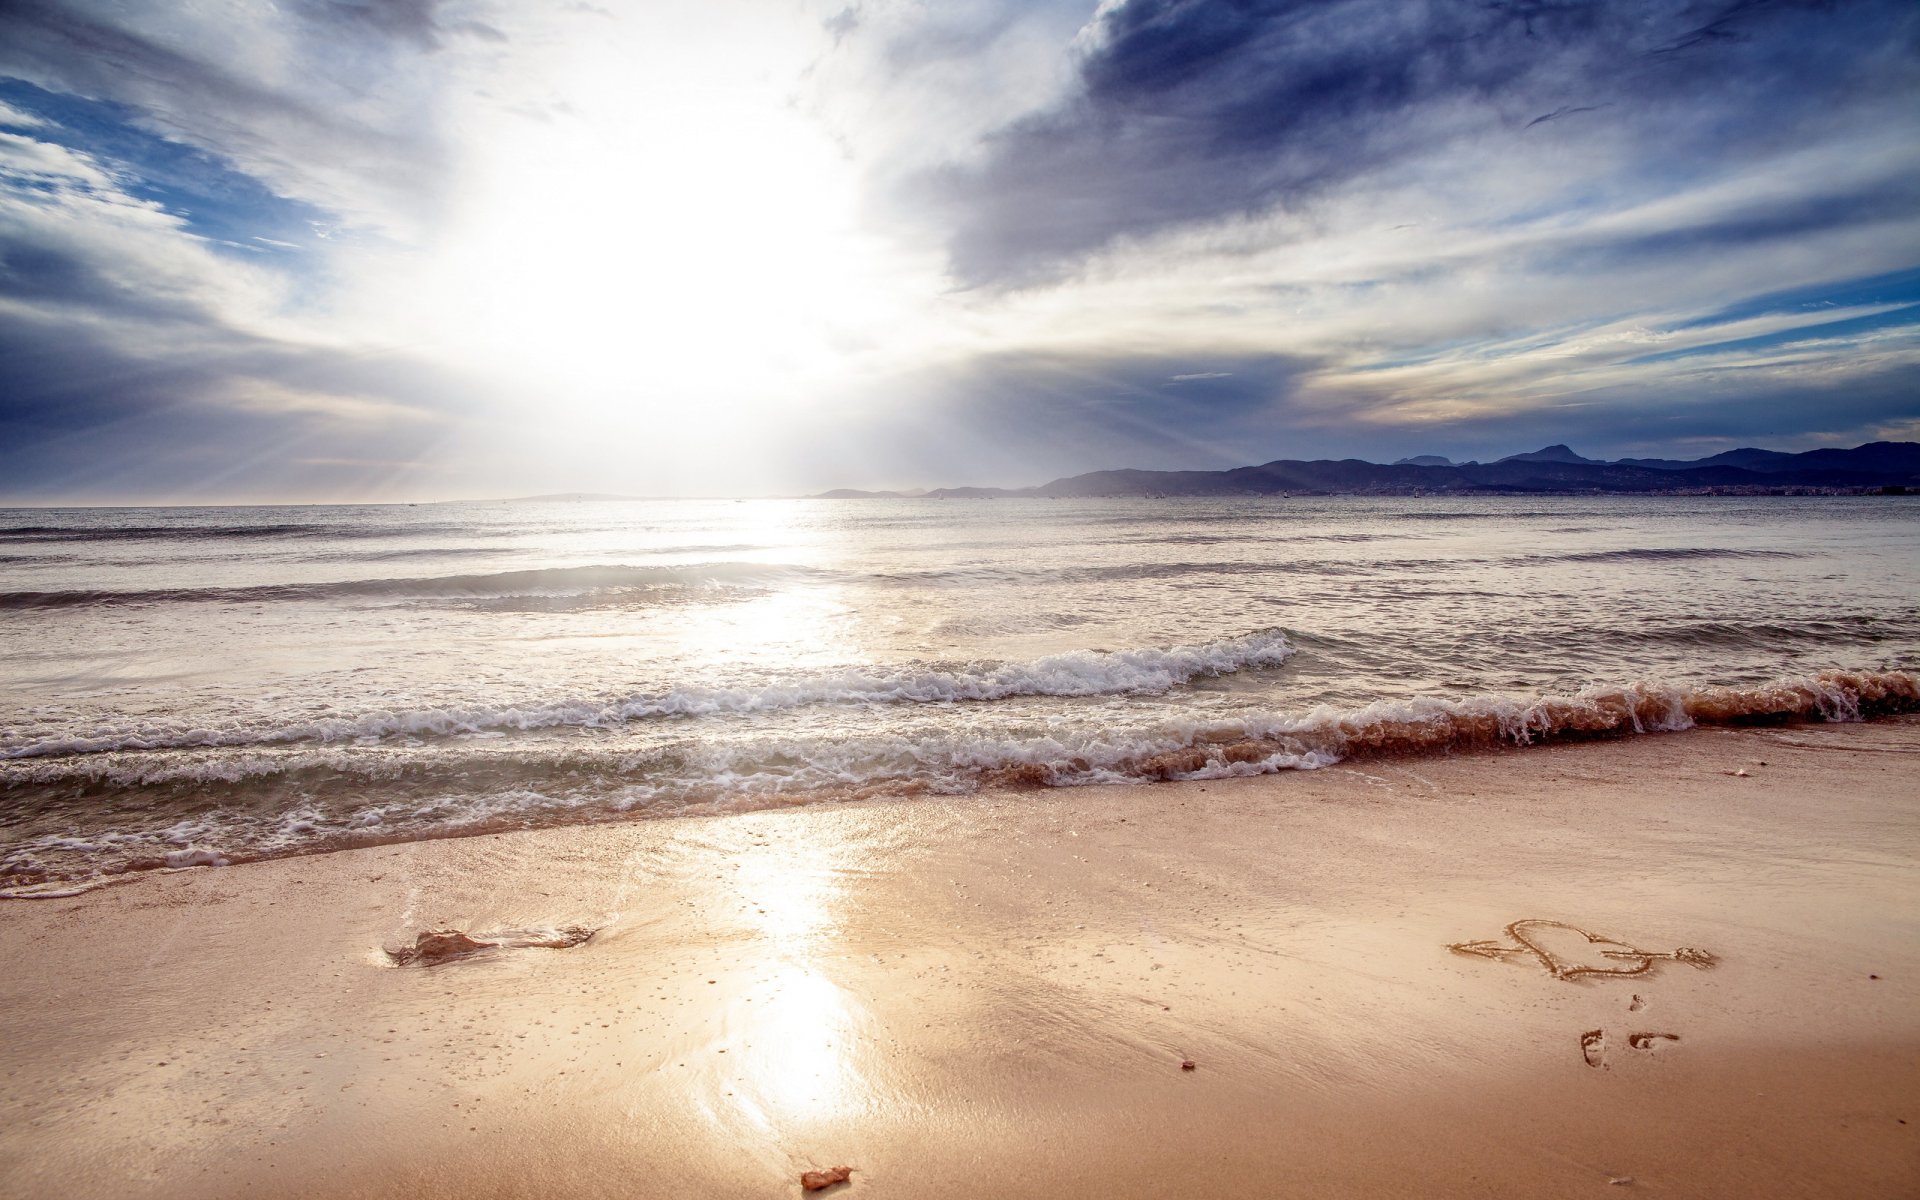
point(564, 938)
point(813, 1181)
point(438, 946)
point(445, 945)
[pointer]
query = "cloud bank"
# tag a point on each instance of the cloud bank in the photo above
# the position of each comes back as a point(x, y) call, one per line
point(413, 250)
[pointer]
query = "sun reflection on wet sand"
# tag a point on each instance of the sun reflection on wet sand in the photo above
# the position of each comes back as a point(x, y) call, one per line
point(792, 889)
point(796, 1054)
point(790, 1039)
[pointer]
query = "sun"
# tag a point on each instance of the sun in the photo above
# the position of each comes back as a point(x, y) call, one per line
point(674, 234)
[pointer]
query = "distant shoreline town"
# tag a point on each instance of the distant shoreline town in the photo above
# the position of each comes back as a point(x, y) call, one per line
point(1889, 468)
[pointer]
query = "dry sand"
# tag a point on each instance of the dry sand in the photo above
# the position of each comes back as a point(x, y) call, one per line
point(994, 995)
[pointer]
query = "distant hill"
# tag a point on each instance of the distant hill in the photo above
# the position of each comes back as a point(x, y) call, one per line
point(567, 498)
point(1750, 459)
point(1553, 454)
point(1888, 457)
point(1555, 469)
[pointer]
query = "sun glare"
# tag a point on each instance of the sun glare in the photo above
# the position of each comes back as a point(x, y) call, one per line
point(794, 1040)
point(663, 237)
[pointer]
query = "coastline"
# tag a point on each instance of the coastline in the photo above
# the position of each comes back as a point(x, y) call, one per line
point(994, 994)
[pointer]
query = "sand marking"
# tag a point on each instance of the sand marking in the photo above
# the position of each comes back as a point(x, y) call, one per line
point(1642, 960)
point(1593, 1044)
point(1593, 1047)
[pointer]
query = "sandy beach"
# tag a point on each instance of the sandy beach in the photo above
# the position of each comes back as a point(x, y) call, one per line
point(996, 995)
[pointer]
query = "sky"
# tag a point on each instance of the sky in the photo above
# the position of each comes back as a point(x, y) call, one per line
point(368, 250)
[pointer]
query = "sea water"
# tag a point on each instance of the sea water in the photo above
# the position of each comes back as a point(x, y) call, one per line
point(199, 686)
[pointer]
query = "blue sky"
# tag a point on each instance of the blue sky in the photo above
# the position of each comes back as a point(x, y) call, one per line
point(426, 249)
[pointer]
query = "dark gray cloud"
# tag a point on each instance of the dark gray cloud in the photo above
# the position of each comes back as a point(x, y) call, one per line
point(146, 345)
point(422, 22)
point(292, 131)
point(176, 409)
point(1191, 110)
point(57, 377)
point(1566, 110)
point(57, 276)
point(1765, 411)
point(1774, 219)
point(1024, 419)
point(1021, 417)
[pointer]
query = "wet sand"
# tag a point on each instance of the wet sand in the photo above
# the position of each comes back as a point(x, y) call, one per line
point(995, 995)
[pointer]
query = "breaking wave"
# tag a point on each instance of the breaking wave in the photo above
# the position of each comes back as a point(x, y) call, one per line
point(281, 801)
point(1076, 674)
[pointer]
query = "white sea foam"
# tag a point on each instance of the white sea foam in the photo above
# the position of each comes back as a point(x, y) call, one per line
point(1076, 674)
point(553, 784)
point(589, 666)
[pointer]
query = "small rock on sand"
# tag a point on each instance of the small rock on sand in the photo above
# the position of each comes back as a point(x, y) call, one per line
point(813, 1181)
point(437, 946)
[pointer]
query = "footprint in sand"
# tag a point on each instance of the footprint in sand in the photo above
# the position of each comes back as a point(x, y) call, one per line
point(1570, 952)
point(1560, 947)
point(1593, 1047)
point(1593, 1044)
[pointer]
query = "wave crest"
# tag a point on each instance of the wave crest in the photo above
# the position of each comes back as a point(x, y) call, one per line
point(342, 797)
point(1432, 726)
point(1079, 673)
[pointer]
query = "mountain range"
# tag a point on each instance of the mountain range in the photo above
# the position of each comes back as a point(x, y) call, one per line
point(1874, 466)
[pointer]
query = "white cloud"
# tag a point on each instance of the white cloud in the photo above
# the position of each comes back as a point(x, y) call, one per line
point(33, 163)
point(78, 241)
point(19, 118)
point(344, 122)
point(658, 240)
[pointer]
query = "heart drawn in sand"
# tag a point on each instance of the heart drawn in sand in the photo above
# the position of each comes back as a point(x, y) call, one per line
point(1569, 952)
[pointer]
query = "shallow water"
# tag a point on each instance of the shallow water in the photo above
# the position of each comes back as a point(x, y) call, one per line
point(182, 686)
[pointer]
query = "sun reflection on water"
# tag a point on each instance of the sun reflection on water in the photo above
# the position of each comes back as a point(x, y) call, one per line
point(788, 621)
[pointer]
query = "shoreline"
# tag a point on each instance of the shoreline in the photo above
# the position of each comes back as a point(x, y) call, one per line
point(344, 798)
point(995, 993)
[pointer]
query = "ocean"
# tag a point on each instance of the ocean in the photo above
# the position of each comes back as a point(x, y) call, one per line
point(185, 687)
